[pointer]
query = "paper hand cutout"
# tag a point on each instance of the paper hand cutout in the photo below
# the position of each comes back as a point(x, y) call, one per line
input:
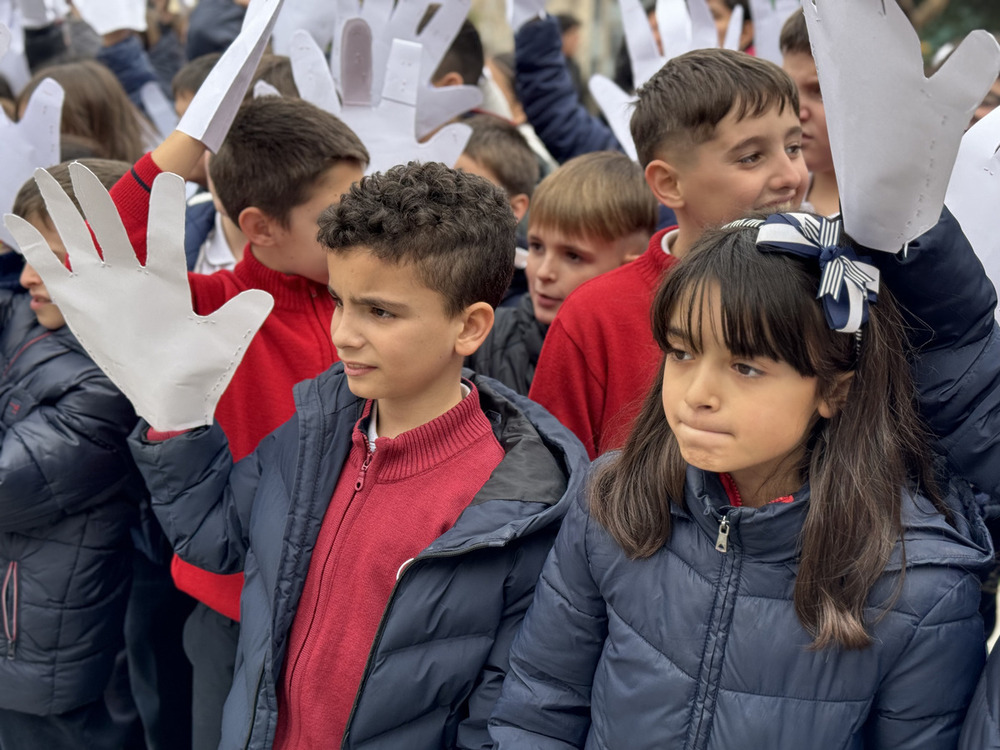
point(135, 321)
point(768, 18)
point(105, 16)
point(974, 191)
point(519, 12)
point(213, 108)
point(894, 134)
point(4, 39)
point(30, 143)
point(38, 13)
point(319, 18)
point(387, 125)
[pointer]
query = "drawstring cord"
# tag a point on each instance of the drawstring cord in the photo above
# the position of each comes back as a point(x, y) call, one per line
point(8, 595)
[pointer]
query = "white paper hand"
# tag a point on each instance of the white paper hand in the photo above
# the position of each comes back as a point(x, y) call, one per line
point(617, 108)
point(318, 17)
point(768, 18)
point(28, 144)
point(213, 108)
point(974, 191)
point(39, 13)
point(894, 134)
point(519, 12)
point(159, 108)
point(136, 322)
point(105, 16)
point(4, 39)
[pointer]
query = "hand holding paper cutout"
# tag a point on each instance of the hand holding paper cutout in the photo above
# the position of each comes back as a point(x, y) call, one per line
point(105, 16)
point(30, 143)
point(136, 322)
point(894, 134)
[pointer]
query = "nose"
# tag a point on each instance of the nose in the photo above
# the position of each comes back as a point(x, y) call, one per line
point(790, 173)
point(702, 391)
point(29, 277)
point(547, 269)
point(343, 330)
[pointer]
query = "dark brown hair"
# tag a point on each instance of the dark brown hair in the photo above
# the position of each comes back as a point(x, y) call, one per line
point(192, 74)
point(456, 228)
point(29, 201)
point(497, 145)
point(95, 107)
point(795, 35)
point(274, 154)
point(683, 102)
point(277, 71)
point(857, 463)
point(602, 194)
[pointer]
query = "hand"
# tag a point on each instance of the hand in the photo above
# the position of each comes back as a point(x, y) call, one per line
point(105, 16)
point(136, 322)
point(894, 133)
point(519, 12)
point(974, 191)
point(30, 143)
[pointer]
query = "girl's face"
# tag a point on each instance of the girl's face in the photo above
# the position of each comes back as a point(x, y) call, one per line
point(749, 417)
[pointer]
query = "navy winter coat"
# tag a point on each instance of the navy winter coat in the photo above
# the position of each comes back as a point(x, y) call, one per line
point(511, 351)
point(693, 649)
point(66, 479)
point(440, 653)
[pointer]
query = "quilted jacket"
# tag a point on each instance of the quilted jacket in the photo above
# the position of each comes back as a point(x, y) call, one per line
point(511, 351)
point(697, 649)
point(440, 652)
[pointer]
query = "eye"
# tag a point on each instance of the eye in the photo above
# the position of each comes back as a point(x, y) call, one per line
point(750, 159)
point(674, 354)
point(574, 257)
point(536, 247)
point(334, 297)
point(378, 312)
point(747, 370)
point(793, 149)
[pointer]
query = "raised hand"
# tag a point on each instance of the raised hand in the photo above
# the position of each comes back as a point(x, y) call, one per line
point(136, 322)
point(894, 134)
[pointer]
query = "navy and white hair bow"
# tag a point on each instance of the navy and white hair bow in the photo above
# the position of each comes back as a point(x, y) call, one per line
point(847, 284)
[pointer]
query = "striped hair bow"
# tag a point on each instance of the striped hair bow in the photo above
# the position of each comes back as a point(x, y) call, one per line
point(847, 283)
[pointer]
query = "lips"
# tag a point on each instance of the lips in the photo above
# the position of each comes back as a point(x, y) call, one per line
point(39, 302)
point(356, 369)
point(544, 301)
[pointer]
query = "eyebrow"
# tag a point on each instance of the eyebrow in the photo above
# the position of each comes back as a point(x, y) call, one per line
point(759, 140)
point(382, 304)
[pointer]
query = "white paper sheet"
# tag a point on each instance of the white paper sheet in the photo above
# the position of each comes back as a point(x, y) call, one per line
point(894, 134)
point(317, 17)
point(136, 322)
point(13, 63)
point(768, 18)
point(4, 39)
point(159, 108)
point(617, 108)
point(38, 13)
point(105, 16)
point(519, 12)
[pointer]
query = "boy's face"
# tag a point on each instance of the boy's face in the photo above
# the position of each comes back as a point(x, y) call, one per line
point(801, 68)
point(559, 263)
point(751, 165)
point(301, 253)
point(41, 304)
point(393, 334)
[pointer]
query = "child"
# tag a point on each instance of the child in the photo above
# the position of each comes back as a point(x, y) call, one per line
point(591, 215)
point(283, 162)
point(69, 494)
point(718, 135)
point(774, 503)
point(387, 611)
point(823, 195)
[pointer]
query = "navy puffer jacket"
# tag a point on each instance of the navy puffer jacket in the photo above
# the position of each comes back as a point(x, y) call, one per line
point(440, 653)
point(696, 649)
point(66, 479)
point(510, 352)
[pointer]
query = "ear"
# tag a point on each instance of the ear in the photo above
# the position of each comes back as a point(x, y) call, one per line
point(830, 406)
point(664, 180)
point(454, 78)
point(476, 322)
point(519, 205)
point(260, 228)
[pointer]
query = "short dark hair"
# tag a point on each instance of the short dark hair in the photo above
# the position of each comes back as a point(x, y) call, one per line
point(275, 152)
point(684, 101)
point(499, 146)
point(277, 71)
point(465, 56)
point(795, 35)
point(192, 74)
point(602, 194)
point(456, 228)
point(567, 22)
point(29, 201)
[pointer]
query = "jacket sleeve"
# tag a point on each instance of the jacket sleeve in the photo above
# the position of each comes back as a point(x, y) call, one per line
point(65, 456)
point(948, 303)
point(981, 730)
point(545, 701)
point(550, 99)
point(132, 67)
point(201, 499)
point(922, 701)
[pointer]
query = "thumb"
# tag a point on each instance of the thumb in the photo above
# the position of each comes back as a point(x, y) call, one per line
point(967, 75)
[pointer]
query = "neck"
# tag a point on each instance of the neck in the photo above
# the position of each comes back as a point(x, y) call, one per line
point(824, 193)
point(398, 415)
point(235, 238)
point(684, 240)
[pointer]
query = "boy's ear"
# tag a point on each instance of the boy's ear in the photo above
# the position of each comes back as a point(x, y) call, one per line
point(452, 78)
point(830, 406)
point(664, 180)
point(259, 227)
point(477, 322)
point(519, 205)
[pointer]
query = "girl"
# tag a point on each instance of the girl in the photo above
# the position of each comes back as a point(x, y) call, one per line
point(767, 562)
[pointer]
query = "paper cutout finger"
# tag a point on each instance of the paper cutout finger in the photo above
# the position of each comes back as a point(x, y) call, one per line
point(768, 18)
point(38, 13)
point(311, 74)
point(675, 30)
point(105, 16)
point(4, 39)
point(519, 12)
point(734, 30)
point(30, 143)
point(617, 108)
point(317, 17)
point(159, 108)
point(894, 134)
point(974, 191)
point(214, 106)
point(135, 321)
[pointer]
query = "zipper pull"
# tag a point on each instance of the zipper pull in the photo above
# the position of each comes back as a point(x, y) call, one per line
point(364, 470)
point(722, 540)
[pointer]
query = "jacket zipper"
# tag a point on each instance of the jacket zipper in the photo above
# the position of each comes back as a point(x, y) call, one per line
point(722, 540)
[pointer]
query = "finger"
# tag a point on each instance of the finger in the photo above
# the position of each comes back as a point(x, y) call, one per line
point(103, 218)
point(446, 145)
point(376, 13)
point(165, 230)
point(37, 253)
point(703, 32)
point(311, 72)
point(436, 106)
point(768, 18)
point(262, 88)
point(68, 223)
point(4, 39)
point(436, 37)
point(734, 30)
point(673, 21)
point(160, 109)
point(40, 123)
point(401, 74)
point(356, 64)
point(969, 72)
point(617, 108)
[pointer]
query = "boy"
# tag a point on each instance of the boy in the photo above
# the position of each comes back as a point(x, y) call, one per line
point(718, 135)
point(591, 215)
point(391, 531)
point(283, 162)
point(69, 491)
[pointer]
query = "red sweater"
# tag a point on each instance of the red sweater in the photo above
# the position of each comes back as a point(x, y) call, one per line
point(294, 344)
point(384, 511)
point(599, 358)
